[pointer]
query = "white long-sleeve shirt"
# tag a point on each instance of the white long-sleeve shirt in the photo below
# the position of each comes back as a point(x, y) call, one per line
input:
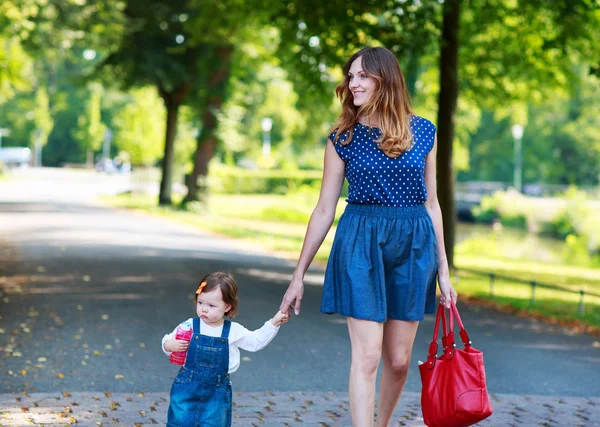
point(239, 337)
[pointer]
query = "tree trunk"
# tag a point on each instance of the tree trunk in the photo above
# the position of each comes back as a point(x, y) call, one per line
point(207, 141)
point(448, 97)
point(205, 149)
point(173, 101)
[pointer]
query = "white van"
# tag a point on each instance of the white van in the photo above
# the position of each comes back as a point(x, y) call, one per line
point(15, 156)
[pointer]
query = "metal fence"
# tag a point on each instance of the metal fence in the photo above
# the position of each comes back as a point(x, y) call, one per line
point(532, 283)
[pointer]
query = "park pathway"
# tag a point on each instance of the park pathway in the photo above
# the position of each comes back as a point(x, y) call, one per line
point(87, 292)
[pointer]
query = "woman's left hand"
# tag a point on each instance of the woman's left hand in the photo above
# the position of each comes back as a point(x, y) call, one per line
point(448, 292)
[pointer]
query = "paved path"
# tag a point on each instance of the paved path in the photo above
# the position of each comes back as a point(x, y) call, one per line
point(86, 293)
point(277, 409)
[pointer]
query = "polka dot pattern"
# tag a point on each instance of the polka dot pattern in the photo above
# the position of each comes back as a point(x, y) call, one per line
point(376, 179)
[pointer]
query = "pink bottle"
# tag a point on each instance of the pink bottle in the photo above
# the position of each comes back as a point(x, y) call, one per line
point(184, 332)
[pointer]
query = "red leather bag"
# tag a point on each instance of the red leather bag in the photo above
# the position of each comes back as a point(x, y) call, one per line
point(454, 392)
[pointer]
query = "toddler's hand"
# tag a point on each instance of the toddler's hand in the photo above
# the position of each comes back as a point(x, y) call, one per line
point(280, 318)
point(176, 345)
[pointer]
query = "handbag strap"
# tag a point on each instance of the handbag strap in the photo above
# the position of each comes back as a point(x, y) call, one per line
point(448, 337)
point(464, 336)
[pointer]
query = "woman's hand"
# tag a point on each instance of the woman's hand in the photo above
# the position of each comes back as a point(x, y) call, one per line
point(280, 318)
point(448, 292)
point(176, 345)
point(292, 297)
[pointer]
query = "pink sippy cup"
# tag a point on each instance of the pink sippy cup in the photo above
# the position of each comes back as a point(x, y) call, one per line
point(184, 332)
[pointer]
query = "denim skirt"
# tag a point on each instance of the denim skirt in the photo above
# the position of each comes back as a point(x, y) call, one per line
point(383, 264)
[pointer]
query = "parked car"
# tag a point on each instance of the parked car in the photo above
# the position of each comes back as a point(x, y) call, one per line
point(15, 156)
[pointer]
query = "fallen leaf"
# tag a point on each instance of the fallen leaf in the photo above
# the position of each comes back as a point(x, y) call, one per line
point(24, 409)
point(42, 359)
point(17, 354)
point(84, 363)
point(60, 376)
point(596, 344)
point(41, 269)
point(105, 317)
point(23, 372)
point(96, 353)
point(80, 308)
point(142, 345)
point(10, 372)
point(66, 394)
point(119, 377)
point(1, 331)
point(86, 278)
point(108, 347)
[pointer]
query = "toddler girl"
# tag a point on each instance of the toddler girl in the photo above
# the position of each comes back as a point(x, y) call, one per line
point(201, 391)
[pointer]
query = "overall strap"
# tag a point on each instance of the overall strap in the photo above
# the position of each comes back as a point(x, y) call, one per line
point(196, 325)
point(226, 328)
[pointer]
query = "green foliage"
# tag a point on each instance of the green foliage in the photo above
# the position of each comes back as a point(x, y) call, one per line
point(569, 217)
point(42, 118)
point(140, 127)
point(90, 129)
point(241, 181)
point(509, 208)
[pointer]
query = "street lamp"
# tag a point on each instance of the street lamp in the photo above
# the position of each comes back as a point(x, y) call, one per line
point(517, 133)
point(267, 125)
point(106, 144)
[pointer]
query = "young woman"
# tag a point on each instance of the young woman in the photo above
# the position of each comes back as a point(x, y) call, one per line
point(389, 247)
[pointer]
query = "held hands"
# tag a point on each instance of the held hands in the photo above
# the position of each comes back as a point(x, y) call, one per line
point(293, 297)
point(448, 292)
point(174, 345)
point(280, 318)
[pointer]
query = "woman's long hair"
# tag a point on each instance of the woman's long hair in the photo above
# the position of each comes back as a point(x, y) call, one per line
point(390, 101)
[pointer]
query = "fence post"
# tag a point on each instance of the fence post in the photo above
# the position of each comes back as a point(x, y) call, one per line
point(581, 307)
point(533, 285)
point(492, 277)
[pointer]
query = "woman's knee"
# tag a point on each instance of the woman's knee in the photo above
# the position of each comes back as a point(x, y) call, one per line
point(398, 363)
point(367, 360)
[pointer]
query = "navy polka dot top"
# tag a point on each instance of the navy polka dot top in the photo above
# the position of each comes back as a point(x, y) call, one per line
point(376, 179)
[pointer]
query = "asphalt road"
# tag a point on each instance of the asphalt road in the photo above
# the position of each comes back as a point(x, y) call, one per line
point(87, 292)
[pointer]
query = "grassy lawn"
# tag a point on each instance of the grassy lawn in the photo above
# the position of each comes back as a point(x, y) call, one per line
point(278, 223)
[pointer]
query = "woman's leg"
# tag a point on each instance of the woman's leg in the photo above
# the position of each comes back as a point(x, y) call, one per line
point(365, 337)
point(398, 339)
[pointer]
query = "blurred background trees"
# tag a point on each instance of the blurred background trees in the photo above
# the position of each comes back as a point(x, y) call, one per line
point(185, 84)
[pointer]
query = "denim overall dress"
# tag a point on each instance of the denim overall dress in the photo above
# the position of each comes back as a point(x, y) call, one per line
point(201, 391)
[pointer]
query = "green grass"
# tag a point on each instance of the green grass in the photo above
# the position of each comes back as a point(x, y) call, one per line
point(278, 223)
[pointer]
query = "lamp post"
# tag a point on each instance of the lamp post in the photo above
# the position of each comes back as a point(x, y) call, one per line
point(38, 148)
point(106, 144)
point(267, 125)
point(517, 133)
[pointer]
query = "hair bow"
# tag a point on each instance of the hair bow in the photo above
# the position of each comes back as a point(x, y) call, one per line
point(202, 285)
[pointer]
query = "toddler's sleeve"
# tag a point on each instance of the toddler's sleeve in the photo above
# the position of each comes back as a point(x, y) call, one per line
point(252, 340)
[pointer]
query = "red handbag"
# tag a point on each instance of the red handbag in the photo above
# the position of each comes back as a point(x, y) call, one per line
point(454, 393)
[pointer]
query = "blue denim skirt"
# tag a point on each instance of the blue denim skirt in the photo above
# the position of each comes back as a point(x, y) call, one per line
point(383, 264)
